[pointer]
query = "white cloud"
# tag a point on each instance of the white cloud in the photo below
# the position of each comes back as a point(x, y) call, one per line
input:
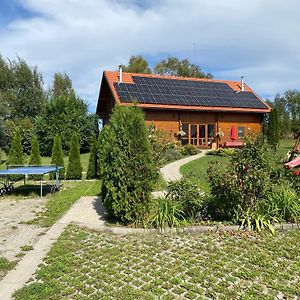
point(257, 39)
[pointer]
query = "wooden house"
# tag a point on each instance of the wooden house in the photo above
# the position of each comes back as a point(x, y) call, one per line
point(202, 112)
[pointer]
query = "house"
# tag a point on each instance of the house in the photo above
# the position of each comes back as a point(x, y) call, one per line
point(202, 112)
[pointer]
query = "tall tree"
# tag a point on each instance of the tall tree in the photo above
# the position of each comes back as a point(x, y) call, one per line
point(137, 64)
point(57, 157)
point(15, 156)
point(74, 168)
point(172, 66)
point(27, 98)
point(127, 169)
point(35, 157)
point(273, 129)
point(292, 98)
point(65, 112)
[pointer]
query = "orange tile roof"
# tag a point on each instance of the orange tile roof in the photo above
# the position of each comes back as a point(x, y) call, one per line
point(113, 77)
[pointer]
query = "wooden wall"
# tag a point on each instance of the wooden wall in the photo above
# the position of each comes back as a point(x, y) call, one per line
point(170, 121)
point(251, 123)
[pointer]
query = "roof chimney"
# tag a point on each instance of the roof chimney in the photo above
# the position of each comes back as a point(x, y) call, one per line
point(242, 84)
point(120, 75)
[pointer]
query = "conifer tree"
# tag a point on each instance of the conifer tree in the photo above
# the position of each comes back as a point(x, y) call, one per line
point(57, 157)
point(15, 156)
point(92, 171)
point(273, 129)
point(35, 157)
point(74, 169)
point(128, 172)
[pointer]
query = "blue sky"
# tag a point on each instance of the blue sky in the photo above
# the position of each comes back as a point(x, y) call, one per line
point(229, 38)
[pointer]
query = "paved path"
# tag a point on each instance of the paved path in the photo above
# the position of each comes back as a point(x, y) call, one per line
point(171, 171)
point(87, 212)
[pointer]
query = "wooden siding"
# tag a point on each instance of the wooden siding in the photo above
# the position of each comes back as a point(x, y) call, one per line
point(252, 123)
point(165, 120)
point(170, 121)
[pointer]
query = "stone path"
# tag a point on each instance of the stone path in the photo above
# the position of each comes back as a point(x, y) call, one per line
point(87, 212)
point(171, 171)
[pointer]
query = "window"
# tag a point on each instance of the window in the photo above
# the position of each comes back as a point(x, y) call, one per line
point(241, 132)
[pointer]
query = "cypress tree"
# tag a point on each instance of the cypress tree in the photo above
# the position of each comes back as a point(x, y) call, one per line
point(35, 157)
point(57, 157)
point(74, 169)
point(127, 169)
point(92, 171)
point(15, 156)
point(273, 129)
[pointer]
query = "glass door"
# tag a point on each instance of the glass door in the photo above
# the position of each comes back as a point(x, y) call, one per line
point(202, 135)
point(210, 134)
point(185, 137)
point(194, 134)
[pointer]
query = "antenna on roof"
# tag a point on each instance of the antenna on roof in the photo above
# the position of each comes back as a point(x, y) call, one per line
point(242, 84)
point(120, 75)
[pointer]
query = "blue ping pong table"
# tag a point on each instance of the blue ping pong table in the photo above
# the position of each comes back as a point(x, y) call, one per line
point(30, 170)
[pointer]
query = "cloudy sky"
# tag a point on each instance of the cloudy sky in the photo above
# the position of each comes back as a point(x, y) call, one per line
point(259, 39)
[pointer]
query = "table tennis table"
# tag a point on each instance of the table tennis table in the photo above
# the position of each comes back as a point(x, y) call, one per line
point(29, 170)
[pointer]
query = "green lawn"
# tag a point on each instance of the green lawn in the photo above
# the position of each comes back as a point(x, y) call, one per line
point(92, 265)
point(197, 169)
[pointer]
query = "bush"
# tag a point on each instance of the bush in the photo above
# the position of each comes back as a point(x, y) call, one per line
point(189, 149)
point(188, 194)
point(248, 180)
point(171, 155)
point(35, 158)
point(284, 204)
point(92, 171)
point(74, 169)
point(165, 213)
point(126, 165)
point(15, 156)
point(57, 157)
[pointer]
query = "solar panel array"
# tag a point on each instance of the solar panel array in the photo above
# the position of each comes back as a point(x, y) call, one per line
point(185, 92)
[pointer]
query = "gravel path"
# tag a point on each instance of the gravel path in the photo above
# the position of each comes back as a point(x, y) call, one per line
point(14, 234)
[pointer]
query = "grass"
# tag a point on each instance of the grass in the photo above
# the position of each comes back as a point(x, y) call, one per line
point(84, 265)
point(5, 266)
point(58, 203)
point(197, 169)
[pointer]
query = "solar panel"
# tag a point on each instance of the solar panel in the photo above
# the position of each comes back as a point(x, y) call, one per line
point(185, 92)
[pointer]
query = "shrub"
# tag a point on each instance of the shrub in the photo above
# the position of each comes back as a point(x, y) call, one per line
point(57, 157)
point(15, 156)
point(249, 178)
point(189, 149)
point(171, 155)
point(165, 213)
point(284, 204)
point(188, 194)
point(35, 157)
point(126, 165)
point(92, 171)
point(74, 168)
